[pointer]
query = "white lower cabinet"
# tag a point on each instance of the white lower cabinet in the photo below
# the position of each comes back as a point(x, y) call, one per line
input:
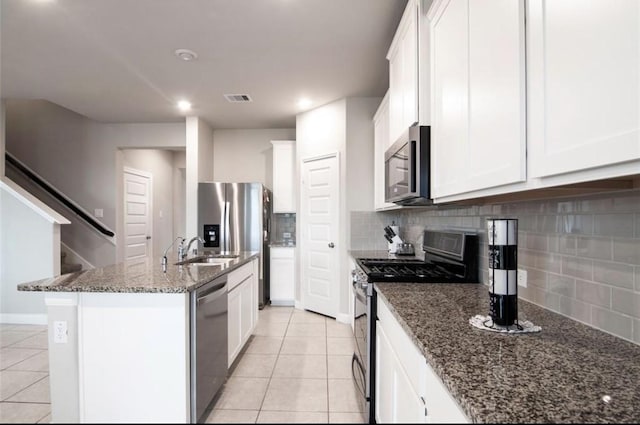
point(282, 274)
point(242, 305)
point(407, 389)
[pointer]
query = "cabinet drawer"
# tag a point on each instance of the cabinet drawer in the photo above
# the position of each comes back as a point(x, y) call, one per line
point(239, 275)
point(279, 252)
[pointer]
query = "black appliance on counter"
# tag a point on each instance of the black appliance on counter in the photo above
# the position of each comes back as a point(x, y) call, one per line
point(450, 257)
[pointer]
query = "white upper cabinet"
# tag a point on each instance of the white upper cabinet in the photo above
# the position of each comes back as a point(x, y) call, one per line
point(381, 143)
point(583, 96)
point(403, 73)
point(478, 138)
point(284, 170)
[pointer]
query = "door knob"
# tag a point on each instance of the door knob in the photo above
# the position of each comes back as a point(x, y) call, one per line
point(148, 237)
point(331, 245)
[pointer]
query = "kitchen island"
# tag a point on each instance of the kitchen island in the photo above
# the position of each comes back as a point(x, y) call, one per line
point(119, 337)
point(568, 372)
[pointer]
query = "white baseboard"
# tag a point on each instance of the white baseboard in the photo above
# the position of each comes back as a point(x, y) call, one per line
point(281, 303)
point(23, 319)
point(74, 257)
point(298, 305)
point(343, 318)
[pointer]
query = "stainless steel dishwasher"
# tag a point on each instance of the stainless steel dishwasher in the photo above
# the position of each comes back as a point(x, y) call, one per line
point(208, 344)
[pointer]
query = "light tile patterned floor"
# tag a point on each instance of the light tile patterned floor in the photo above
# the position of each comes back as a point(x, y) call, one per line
point(295, 369)
point(24, 374)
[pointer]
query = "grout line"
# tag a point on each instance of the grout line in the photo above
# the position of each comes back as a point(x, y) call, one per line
point(274, 366)
point(25, 388)
point(326, 338)
point(25, 359)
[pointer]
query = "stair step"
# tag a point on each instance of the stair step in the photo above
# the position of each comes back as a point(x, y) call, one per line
point(70, 268)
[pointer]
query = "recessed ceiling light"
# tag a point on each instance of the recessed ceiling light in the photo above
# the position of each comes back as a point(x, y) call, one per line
point(186, 54)
point(184, 105)
point(304, 103)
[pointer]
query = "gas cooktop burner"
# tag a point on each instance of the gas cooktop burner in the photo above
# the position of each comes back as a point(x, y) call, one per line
point(450, 256)
point(405, 270)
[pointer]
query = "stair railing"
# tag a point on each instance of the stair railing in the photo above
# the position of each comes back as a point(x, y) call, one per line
point(57, 195)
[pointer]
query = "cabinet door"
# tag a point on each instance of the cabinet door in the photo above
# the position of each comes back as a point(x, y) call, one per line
point(234, 320)
point(479, 106)
point(381, 137)
point(282, 289)
point(497, 130)
point(450, 102)
point(246, 308)
point(396, 96)
point(582, 69)
point(256, 289)
point(396, 400)
point(410, 69)
point(441, 407)
point(403, 73)
point(384, 377)
point(283, 176)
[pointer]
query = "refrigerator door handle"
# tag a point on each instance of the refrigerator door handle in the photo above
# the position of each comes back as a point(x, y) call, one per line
point(227, 223)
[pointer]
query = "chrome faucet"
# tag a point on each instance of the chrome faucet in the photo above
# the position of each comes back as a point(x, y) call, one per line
point(180, 250)
point(195, 250)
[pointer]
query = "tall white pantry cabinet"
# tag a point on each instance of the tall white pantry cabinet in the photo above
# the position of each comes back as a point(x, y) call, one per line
point(282, 258)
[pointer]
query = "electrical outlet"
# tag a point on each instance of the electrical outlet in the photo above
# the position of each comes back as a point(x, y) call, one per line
point(60, 332)
point(522, 278)
point(98, 213)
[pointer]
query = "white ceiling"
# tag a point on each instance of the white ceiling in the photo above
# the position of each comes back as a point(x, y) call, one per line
point(113, 61)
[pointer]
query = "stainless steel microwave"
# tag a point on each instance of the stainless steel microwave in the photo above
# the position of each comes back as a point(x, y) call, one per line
point(406, 166)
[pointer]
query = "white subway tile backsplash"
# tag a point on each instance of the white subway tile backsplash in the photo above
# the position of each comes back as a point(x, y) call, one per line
point(593, 293)
point(549, 262)
point(626, 251)
point(616, 274)
point(537, 278)
point(577, 251)
point(612, 322)
point(576, 309)
point(627, 302)
point(619, 225)
point(535, 241)
point(563, 285)
point(577, 267)
point(592, 247)
point(564, 244)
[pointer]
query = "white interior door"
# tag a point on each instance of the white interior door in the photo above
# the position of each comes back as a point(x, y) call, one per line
point(319, 225)
point(137, 214)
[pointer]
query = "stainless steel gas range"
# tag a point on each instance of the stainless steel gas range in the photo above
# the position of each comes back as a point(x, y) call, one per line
point(450, 257)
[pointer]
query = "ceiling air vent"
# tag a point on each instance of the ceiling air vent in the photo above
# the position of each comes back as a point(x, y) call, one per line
point(235, 98)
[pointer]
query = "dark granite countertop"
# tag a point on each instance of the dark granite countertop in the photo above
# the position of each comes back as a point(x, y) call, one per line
point(135, 276)
point(557, 375)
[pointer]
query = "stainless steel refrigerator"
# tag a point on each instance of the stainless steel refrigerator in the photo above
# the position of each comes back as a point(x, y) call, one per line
point(234, 217)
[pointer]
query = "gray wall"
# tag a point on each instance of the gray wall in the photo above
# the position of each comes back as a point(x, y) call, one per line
point(78, 156)
point(246, 155)
point(582, 254)
point(26, 244)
